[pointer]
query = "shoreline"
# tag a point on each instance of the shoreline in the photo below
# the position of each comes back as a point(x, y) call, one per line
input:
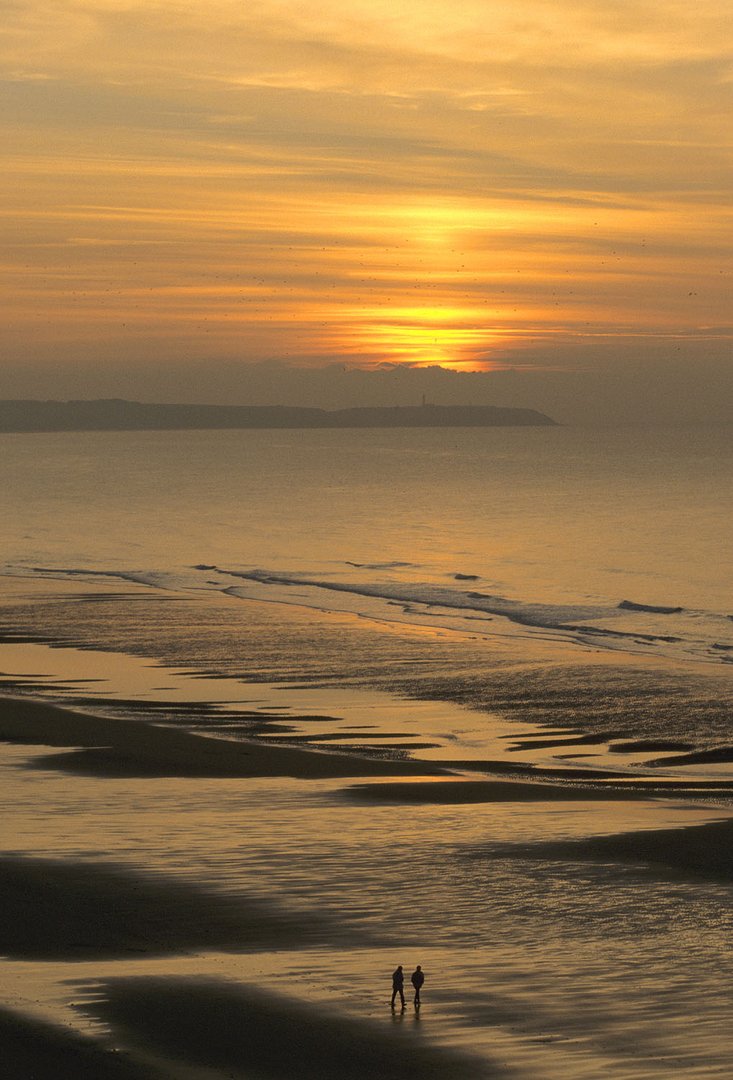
point(145, 952)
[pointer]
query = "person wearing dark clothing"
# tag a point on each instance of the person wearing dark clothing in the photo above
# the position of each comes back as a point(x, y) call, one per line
point(398, 982)
point(417, 979)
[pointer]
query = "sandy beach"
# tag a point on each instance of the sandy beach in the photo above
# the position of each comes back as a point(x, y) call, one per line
point(179, 906)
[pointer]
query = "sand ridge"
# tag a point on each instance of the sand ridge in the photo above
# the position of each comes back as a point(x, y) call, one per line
point(131, 748)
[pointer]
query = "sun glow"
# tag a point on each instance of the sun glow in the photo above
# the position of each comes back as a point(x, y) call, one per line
point(449, 336)
point(314, 185)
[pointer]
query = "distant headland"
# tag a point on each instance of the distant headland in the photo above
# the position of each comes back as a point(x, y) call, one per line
point(119, 415)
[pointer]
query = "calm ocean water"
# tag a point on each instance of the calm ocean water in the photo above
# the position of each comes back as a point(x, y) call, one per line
point(559, 516)
point(455, 549)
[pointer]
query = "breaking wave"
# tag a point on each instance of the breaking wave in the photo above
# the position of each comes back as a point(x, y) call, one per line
point(626, 625)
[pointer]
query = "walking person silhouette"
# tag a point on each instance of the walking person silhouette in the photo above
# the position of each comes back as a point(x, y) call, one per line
point(417, 979)
point(398, 982)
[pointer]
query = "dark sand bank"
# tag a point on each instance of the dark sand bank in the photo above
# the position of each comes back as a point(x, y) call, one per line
point(703, 851)
point(130, 748)
point(714, 756)
point(457, 792)
point(538, 742)
point(641, 746)
point(51, 909)
point(30, 1050)
point(242, 1032)
point(481, 791)
point(526, 769)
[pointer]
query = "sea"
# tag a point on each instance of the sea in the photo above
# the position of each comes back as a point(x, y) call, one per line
point(555, 600)
point(434, 564)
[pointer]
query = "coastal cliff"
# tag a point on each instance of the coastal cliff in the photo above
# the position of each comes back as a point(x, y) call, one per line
point(119, 415)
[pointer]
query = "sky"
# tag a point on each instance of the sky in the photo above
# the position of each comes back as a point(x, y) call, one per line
point(224, 200)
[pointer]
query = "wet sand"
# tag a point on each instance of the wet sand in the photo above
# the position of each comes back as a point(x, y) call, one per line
point(286, 956)
point(704, 851)
point(209, 1023)
point(54, 909)
point(30, 1049)
point(127, 748)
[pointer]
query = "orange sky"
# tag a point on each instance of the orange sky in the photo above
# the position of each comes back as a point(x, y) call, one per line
point(420, 182)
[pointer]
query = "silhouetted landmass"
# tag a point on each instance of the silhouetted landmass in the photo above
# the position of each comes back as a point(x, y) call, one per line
point(119, 415)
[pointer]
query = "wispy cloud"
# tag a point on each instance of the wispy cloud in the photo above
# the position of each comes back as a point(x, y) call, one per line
point(413, 182)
